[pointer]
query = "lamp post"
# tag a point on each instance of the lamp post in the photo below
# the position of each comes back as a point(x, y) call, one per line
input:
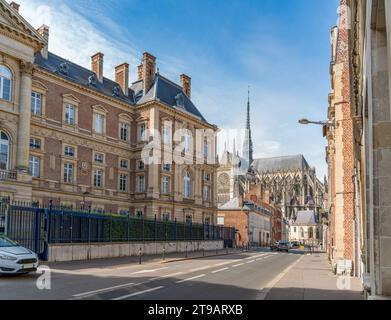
point(328, 123)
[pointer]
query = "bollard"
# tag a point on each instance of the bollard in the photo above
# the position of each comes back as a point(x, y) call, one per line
point(186, 252)
point(203, 250)
point(139, 256)
point(164, 253)
point(227, 249)
point(217, 252)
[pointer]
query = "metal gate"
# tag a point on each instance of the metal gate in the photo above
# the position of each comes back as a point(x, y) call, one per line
point(27, 226)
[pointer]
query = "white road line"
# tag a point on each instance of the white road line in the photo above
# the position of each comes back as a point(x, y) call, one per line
point(217, 271)
point(222, 264)
point(137, 293)
point(102, 290)
point(273, 282)
point(149, 271)
point(238, 265)
point(199, 269)
point(166, 276)
point(193, 278)
point(250, 261)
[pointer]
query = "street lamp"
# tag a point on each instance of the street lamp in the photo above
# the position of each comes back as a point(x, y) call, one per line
point(327, 123)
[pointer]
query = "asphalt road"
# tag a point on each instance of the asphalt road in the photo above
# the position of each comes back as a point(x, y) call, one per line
point(241, 276)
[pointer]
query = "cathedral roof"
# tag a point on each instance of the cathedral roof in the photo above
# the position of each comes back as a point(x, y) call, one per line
point(276, 164)
point(305, 218)
point(162, 90)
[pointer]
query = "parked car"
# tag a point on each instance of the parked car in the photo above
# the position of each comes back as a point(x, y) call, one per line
point(15, 259)
point(280, 246)
point(294, 244)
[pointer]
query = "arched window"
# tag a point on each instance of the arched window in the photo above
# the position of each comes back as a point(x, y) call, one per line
point(187, 185)
point(4, 151)
point(5, 83)
point(302, 232)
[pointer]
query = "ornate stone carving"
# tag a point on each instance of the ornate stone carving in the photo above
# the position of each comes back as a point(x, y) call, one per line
point(26, 67)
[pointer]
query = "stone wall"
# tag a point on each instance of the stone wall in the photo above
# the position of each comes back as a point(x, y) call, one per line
point(77, 252)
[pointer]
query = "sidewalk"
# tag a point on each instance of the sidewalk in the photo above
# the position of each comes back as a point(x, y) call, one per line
point(311, 278)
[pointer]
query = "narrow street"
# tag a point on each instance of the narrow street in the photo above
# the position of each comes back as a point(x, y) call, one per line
point(243, 276)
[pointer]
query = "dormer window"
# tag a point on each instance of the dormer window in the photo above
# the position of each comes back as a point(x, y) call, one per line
point(63, 68)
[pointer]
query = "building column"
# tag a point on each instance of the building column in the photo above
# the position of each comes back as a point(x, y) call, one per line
point(23, 138)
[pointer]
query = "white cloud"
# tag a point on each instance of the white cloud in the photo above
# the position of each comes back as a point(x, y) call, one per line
point(74, 37)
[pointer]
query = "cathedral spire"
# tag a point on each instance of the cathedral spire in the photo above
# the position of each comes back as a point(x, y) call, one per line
point(248, 143)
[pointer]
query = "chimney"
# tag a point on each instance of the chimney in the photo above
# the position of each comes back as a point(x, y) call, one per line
point(44, 32)
point(15, 6)
point(140, 72)
point(97, 65)
point(186, 84)
point(149, 70)
point(122, 77)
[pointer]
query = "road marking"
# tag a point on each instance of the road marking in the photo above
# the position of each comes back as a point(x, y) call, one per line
point(238, 265)
point(149, 271)
point(165, 276)
point(202, 268)
point(137, 293)
point(102, 290)
point(250, 261)
point(273, 282)
point(193, 278)
point(222, 264)
point(216, 271)
point(259, 259)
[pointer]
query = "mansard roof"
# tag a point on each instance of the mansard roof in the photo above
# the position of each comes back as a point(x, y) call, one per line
point(167, 92)
point(279, 164)
point(162, 90)
point(80, 76)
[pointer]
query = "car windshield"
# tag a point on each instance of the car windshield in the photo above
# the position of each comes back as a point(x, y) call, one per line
point(6, 243)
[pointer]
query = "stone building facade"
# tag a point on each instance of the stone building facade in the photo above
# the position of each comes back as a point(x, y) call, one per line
point(72, 136)
point(365, 29)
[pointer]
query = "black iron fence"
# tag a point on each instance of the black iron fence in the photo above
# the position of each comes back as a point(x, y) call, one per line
point(35, 228)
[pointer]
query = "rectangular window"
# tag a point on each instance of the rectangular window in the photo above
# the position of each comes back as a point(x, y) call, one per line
point(189, 219)
point(99, 123)
point(99, 158)
point(35, 144)
point(34, 166)
point(220, 221)
point(69, 151)
point(123, 182)
point(124, 132)
point(166, 167)
point(98, 178)
point(139, 214)
point(68, 173)
point(206, 193)
point(166, 185)
point(143, 136)
point(141, 165)
point(206, 149)
point(36, 103)
point(187, 141)
point(207, 176)
point(166, 135)
point(70, 111)
point(140, 184)
point(166, 216)
point(124, 164)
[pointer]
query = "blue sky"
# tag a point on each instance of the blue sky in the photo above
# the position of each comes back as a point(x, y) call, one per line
point(280, 48)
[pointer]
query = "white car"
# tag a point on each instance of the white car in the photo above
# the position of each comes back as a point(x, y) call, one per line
point(15, 259)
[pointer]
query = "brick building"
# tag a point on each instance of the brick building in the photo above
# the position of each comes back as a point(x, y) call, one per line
point(359, 142)
point(75, 137)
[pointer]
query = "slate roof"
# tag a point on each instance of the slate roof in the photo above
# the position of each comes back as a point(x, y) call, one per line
point(165, 91)
point(162, 90)
point(287, 163)
point(305, 218)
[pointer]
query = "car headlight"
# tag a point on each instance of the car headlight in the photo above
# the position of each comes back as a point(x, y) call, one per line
point(3, 257)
